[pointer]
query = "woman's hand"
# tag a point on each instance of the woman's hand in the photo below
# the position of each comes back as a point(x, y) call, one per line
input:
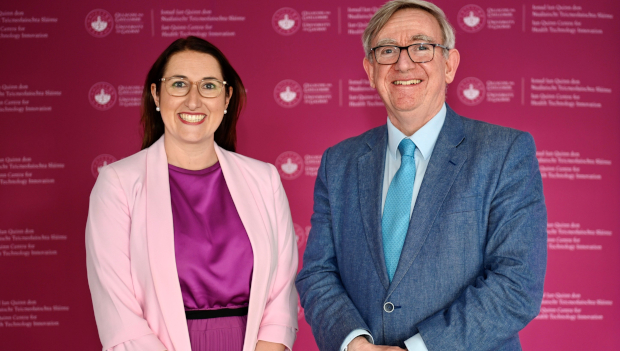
point(269, 346)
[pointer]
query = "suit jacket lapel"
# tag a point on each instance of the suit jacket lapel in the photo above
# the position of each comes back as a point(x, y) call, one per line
point(448, 157)
point(371, 167)
point(160, 243)
point(248, 203)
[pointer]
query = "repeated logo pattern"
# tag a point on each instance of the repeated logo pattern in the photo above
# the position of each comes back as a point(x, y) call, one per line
point(102, 96)
point(471, 18)
point(290, 165)
point(471, 91)
point(288, 93)
point(286, 21)
point(300, 236)
point(100, 162)
point(300, 310)
point(99, 23)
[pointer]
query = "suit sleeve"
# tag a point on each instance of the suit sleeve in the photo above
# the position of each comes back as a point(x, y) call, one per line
point(279, 322)
point(327, 306)
point(118, 314)
point(508, 293)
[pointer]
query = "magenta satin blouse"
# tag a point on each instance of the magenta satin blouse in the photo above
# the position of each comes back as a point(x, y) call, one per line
point(213, 252)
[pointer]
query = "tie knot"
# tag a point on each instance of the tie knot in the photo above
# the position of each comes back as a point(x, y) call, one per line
point(406, 147)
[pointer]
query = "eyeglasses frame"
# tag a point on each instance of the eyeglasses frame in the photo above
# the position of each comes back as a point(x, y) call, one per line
point(407, 49)
point(197, 84)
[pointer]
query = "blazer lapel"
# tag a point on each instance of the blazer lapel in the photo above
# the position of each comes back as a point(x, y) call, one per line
point(249, 203)
point(448, 157)
point(370, 171)
point(160, 243)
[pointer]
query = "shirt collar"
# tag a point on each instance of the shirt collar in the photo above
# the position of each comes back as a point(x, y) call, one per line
point(424, 139)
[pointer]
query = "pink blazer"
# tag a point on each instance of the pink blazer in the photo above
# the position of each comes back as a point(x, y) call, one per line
point(131, 263)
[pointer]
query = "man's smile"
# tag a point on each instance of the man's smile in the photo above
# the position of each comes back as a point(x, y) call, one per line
point(407, 82)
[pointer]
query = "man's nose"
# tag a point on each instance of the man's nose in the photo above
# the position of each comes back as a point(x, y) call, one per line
point(404, 62)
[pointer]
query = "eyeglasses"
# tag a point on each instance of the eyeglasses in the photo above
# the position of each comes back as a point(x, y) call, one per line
point(179, 86)
point(418, 53)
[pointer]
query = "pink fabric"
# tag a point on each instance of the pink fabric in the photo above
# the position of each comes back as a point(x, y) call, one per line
point(221, 334)
point(213, 252)
point(130, 255)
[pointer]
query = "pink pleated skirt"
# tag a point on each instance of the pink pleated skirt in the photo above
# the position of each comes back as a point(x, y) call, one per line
point(217, 334)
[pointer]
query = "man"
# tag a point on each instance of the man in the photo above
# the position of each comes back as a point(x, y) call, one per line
point(428, 233)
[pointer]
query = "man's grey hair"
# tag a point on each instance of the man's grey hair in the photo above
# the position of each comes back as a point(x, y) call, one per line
point(383, 15)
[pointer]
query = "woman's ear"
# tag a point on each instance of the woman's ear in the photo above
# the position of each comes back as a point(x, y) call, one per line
point(154, 94)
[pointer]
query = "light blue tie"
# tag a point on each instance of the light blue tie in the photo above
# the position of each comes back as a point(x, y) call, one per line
point(397, 208)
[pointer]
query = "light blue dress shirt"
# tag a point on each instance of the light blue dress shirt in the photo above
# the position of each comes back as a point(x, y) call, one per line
point(424, 139)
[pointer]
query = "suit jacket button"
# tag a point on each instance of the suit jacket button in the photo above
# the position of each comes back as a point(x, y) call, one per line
point(388, 307)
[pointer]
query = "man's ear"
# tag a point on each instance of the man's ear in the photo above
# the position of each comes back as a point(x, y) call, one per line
point(370, 69)
point(452, 63)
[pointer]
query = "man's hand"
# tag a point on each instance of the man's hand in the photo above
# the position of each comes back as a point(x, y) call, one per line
point(268, 346)
point(361, 344)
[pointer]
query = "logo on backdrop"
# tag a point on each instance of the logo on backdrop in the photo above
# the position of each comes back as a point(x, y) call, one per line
point(288, 93)
point(471, 91)
point(102, 96)
point(471, 18)
point(100, 162)
point(300, 236)
point(99, 23)
point(286, 21)
point(290, 165)
point(300, 310)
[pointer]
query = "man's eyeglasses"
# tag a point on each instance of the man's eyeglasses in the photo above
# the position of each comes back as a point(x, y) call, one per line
point(179, 86)
point(418, 53)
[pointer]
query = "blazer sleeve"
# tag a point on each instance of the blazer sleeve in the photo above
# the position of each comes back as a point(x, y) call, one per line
point(279, 322)
point(118, 314)
point(328, 308)
point(508, 293)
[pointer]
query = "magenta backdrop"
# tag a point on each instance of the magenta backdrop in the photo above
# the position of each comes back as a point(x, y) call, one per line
point(70, 85)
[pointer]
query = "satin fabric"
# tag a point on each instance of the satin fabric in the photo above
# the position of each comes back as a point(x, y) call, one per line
point(212, 249)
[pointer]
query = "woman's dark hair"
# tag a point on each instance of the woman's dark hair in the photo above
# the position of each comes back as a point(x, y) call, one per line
point(153, 125)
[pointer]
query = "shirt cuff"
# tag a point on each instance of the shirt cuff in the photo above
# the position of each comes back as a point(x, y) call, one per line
point(415, 343)
point(354, 334)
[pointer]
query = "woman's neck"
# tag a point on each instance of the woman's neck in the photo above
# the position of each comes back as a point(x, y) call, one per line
point(190, 156)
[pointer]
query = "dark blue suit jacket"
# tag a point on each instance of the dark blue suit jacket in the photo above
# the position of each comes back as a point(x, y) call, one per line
point(471, 271)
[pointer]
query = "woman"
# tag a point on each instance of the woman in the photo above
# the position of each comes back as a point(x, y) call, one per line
point(187, 241)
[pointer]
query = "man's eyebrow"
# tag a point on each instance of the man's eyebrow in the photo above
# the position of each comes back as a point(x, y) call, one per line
point(422, 37)
point(417, 37)
point(385, 42)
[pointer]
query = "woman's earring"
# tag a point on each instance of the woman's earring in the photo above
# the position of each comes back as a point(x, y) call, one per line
point(225, 111)
point(157, 108)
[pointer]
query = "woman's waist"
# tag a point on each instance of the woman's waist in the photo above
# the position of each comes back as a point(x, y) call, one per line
point(228, 311)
